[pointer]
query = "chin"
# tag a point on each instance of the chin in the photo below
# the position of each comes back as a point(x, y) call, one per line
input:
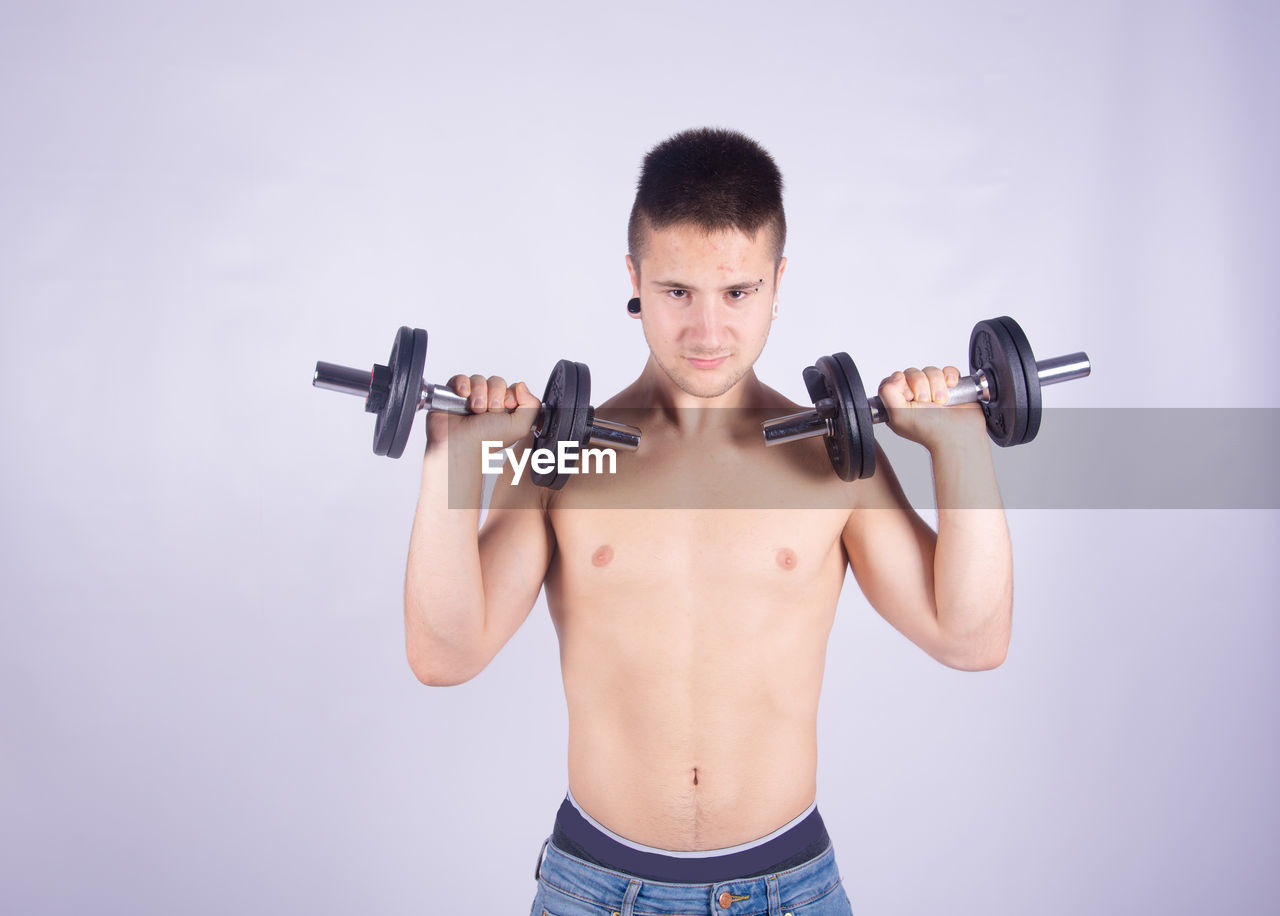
point(706, 385)
point(702, 383)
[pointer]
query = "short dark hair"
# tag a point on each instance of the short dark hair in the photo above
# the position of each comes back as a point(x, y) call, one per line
point(712, 178)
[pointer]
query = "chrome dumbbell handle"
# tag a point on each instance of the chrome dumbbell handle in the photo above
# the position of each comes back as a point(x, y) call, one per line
point(606, 433)
point(359, 382)
point(332, 377)
point(808, 424)
point(442, 398)
point(611, 434)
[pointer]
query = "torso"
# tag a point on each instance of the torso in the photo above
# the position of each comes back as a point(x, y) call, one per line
point(693, 638)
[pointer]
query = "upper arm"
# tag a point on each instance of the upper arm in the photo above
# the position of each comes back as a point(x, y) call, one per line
point(516, 543)
point(891, 551)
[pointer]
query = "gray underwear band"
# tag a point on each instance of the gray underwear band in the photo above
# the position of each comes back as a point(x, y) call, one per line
point(578, 834)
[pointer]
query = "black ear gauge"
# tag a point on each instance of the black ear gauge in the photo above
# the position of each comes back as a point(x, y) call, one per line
point(633, 306)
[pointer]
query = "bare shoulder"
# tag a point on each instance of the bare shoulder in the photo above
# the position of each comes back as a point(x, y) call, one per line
point(769, 398)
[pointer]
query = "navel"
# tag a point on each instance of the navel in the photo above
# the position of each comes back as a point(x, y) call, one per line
point(787, 558)
point(603, 555)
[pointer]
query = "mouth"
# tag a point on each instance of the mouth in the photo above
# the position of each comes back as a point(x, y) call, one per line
point(706, 363)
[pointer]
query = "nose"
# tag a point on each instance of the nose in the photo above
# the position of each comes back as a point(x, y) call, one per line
point(708, 325)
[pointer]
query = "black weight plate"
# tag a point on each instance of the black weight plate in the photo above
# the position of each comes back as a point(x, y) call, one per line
point(564, 418)
point(394, 423)
point(864, 430)
point(1030, 374)
point(815, 382)
point(413, 394)
point(836, 437)
point(992, 349)
point(821, 383)
point(845, 446)
point(384, 425)
point(553, 420)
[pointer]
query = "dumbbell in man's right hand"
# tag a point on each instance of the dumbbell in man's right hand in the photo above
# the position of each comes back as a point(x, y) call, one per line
point(497, 411)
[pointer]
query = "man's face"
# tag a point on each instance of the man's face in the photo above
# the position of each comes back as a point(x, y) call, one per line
point(706, 301)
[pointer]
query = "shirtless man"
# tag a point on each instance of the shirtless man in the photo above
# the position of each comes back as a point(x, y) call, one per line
point(693, 634)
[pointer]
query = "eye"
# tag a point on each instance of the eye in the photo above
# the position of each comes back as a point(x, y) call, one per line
point(736, 295)
point(678, 293)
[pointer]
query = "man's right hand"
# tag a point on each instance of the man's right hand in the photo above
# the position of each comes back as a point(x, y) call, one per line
point(498, 411)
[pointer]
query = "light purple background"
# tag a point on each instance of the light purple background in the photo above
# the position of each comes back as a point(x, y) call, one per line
point(204, 702)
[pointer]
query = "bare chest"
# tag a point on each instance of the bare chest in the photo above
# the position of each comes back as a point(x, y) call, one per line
point(717, 527)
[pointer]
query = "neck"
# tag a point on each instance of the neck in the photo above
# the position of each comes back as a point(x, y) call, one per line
point(690, 414)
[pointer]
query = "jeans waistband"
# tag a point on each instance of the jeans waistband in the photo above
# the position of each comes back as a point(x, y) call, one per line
point(626, 895)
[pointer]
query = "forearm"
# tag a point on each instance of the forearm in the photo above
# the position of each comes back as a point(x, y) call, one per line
point(973, 562)
point(444, 588)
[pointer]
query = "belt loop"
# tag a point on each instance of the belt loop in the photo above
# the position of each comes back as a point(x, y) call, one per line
point(629, 902)
point(775, 898)
point(542, 857)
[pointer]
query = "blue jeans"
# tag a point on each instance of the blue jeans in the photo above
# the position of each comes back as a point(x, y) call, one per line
point(568, 886)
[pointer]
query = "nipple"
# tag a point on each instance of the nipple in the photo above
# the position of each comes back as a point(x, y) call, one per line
point(787, 558)
point(603, 556)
